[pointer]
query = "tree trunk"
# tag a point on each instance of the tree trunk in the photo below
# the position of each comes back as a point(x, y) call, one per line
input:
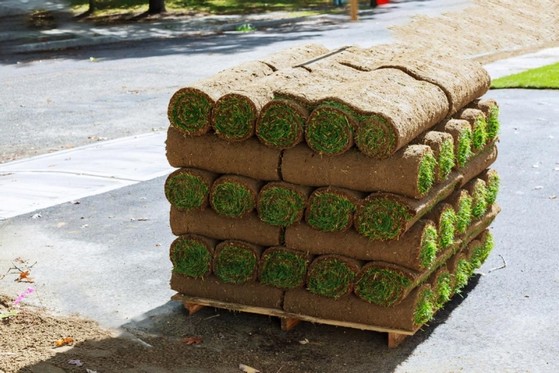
point(92, 6)
point(156, 6)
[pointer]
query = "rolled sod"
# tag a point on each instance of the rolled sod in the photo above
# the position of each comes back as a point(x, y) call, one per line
point(236, 262)
point(351, 309)
point(462, 271)
point(462, 203)
point(219, 156)
point(283, 268)
point(441, 284)
point(410, 172)
point(408, 107)
point(210, 224)
point(331, 209)
point(478, 253)
point(282, 204)
point(479, 163)
point(329, 130)
point(442, 144)
point(445, 219)
point(210, 288)
point(416, 249)
point(332, 276)
point(490, 108)
point(477, 120)
point(191, 255)
point(291, 57)
point(492, 181)
point(188, 188)
point(461, 131)
point(281, 124)
point(190, 108)
point(383, 284)
point(478, 190)
point(234, 196)
point(383, 216)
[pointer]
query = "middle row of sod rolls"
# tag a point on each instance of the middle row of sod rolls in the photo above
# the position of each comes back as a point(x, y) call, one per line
point(330, 275)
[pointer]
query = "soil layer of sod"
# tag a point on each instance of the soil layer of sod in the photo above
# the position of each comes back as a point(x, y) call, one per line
point(213, 154)
point(210, 224)
point(234, 196)
point(410, 172)
point(332, 276)
point(188, 188)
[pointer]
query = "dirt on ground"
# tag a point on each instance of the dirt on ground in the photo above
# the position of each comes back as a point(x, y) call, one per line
point(490, 30)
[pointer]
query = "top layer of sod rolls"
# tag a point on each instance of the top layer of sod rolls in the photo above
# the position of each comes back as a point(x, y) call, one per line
point(281, 124)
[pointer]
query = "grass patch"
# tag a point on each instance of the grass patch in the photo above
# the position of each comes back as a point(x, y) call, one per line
point(330, 211)
point(233, 117)
point(381, 286)
point(429, 246)
point(479, 196)
point(443, 289)
point(331, 277)
point(464, 270)
point(479, 133)
point(481, 252)
point(281, 124)
point(424, 309)
point(493, 183)
point(191, 257)
point(375, 137)
point(283, 268)
point(464, 212)
point(493, 123)
point(186, 191)
point(545, 77)
point(232, 199)
point(329, 130)
point(464, 151)
point(190, 111)
point(426, 174)
point(447, 227)
point(235, 262)
point(381, 218)
point(280, 205)
point(446, 159)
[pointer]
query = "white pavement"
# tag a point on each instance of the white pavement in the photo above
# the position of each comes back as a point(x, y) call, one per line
point(36, 183)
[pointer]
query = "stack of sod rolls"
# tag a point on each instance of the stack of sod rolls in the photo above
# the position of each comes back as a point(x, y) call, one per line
point(350, 185)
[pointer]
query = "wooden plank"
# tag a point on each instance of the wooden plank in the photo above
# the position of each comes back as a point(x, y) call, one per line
point(354, 6)
point(192, 307)
point(287, 323)
point(394, 339)
point(285, 315)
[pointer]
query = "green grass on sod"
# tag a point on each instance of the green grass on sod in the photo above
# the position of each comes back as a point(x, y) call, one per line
point(446, 159)
point(282, 268)
point(479, 195)
point(232, 199)
point(381, 218)
point(447, 228)
point(429, 246)
point(464, 151)
point(443, 290)
point(281, 124)
point(493, 183)
point(235, 262)
point(374, 137)
point(234, 117)
point(280, 206)
point(331, 277)
point(329, 130)
point(190, 112)
point(479, 134)
point(424, 310)
point(186, 190)
point(481, 252)
point(191, 257)
point(493, 123)
point(426, 175)
point(545, 77)
point(330, 211)
point(381, 286)
point(464, 270)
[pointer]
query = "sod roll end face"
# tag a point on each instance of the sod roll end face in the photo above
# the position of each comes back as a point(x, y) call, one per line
point(331, 276)
point(479, 195)
point(330, 210)
point(479, 133)
point(481, 252)
point(381, 286)
point(232, 198)
point(191, 256)
point(426, 175)
point(493, 183)
point(464, 212)
point(443, 289)
point(235, 262)
point(493, 123)
point(189, 111)
point(424, 309)
point(283, 268)
point(280, 204)
point(429, 245)
point(329, 130)
point(380, 217)
point(464, 148)
point(375, 137)
point(464, 270)
point(446, 159)
point(187, 189)
point(281, 124)
point(233, 117)
point(447, 227)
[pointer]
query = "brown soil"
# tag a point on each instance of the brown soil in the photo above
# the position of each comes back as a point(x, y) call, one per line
point(28, 338)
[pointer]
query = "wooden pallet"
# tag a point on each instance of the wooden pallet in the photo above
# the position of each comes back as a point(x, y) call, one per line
point(288, 320)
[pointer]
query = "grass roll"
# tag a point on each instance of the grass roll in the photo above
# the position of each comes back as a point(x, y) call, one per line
point(480, 252)
point(478, 190)
point(477, 120)
point(492, 181)
point(282, 204)
point(188, 188)
point(442, 144)
point(283, 268)
point(332, 276)
point(490, 108)
point(461, 132)
point(441, 284)
point(462, 203)
point(234, 196)
point(281, 124)
point(329, 130)
point(233, 117)
point(383, 284)
point(331, 209)
point(191, 255)
point(445, 218)
point(236, 262)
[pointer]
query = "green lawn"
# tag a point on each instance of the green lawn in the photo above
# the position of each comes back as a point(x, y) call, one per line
point(106, 7)
point(545, 77)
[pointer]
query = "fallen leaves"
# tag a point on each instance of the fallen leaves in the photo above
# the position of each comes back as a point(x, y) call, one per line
point(247, 369)
point(194, 340)
point(64, 342)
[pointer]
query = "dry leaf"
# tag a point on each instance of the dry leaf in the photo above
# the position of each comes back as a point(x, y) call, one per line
point(24, 277)
point(247, 369)
point(64, 341)
point(192, 340)
point(304, 341)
